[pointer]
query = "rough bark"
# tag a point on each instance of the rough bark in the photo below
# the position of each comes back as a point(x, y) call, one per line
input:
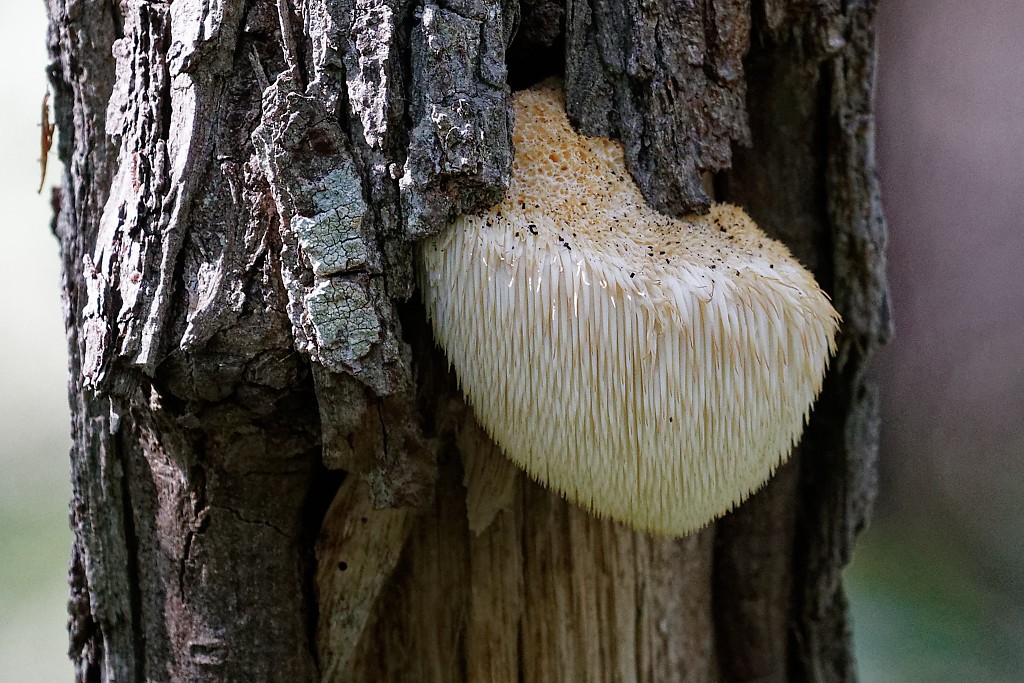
point(274, 475)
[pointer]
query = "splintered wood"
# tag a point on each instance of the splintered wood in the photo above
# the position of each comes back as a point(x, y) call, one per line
point(527, 587)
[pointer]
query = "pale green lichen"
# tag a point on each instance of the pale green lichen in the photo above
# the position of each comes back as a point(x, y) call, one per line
point(344, 320)
point(332, 240)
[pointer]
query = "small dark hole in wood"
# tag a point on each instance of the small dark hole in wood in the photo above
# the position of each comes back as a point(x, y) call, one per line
point(538, 49)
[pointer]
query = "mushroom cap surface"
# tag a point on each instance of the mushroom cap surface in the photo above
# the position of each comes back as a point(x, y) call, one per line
point(655, 370)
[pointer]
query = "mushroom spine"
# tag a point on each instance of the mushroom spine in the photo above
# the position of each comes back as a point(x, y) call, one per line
point(652, 369)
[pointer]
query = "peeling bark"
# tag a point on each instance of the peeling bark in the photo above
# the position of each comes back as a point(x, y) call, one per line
point(275, 477)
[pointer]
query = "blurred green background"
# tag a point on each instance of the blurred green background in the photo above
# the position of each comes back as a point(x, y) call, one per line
point(937, 583)
point(34, 434)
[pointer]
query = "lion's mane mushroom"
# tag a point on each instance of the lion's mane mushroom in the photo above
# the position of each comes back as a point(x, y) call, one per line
point(655, 370)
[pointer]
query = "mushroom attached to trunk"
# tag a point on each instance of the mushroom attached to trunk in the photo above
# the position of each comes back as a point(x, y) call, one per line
point(652, 369)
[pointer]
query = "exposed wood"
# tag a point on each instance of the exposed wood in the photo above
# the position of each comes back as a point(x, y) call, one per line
point(490, 479)
point(496, 595)
point(358, 548)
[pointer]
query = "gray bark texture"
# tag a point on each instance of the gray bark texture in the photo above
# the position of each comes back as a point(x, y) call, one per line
point(275, 476)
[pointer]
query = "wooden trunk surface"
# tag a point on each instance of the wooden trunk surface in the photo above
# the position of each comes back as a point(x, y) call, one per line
point(274, 475)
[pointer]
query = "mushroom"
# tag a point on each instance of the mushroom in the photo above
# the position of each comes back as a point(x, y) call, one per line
point(655, 370)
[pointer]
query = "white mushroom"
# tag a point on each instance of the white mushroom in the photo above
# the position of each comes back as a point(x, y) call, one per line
point(655, 370)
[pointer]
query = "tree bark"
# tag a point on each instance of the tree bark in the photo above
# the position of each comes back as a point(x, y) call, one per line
point(275, 477)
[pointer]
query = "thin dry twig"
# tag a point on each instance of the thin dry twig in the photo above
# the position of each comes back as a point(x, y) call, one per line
point(45, 140)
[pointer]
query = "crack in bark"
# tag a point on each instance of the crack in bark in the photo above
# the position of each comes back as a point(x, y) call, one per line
point(237, 514)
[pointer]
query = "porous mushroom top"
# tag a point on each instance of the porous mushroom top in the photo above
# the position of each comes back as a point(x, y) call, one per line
point(581, 187)
point(654, 369)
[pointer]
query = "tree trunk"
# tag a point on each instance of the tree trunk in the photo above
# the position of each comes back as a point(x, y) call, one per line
point(275, 477)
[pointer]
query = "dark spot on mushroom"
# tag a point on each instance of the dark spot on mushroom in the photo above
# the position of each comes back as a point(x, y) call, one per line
point(342, 566)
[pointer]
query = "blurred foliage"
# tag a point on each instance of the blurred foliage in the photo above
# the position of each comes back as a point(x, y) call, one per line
point(34, 545)
point(923, 617)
